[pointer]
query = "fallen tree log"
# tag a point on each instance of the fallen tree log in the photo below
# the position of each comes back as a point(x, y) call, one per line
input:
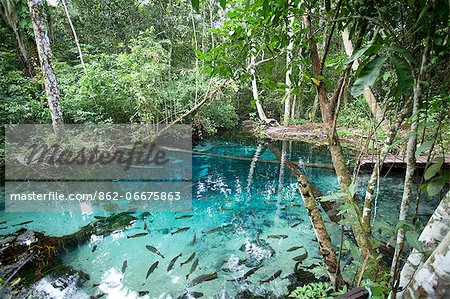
point(308, 192)
point(313, 165)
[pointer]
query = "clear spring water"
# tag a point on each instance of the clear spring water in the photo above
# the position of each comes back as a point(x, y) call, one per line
point(248, 202)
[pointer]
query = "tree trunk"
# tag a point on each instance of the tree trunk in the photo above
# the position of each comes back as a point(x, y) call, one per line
point(259, 108)
point(45, 55)
point(289, 51)
point(313, 113)
point(432, 280)
point(327, 109)
point(410, 163)
point(24, 53)
point(370, 190)
point(437, 229)
point(307, 191)
point(75, 37)
point(9, 14)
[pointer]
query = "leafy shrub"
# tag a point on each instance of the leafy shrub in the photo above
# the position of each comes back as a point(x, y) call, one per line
point(21, 98)
point(312, 290)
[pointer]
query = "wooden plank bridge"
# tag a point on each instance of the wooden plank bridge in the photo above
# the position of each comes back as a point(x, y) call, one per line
point(399, 162)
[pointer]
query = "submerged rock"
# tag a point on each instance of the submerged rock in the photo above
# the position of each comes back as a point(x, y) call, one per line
point(258, 252)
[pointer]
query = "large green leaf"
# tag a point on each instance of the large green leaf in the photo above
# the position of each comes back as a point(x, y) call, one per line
point(435, 185)
point(404, 74)
point(433, 169)
point(223, 3)
point(369, 73)
point(412, 238)
point(195, 4)
point(404, 52)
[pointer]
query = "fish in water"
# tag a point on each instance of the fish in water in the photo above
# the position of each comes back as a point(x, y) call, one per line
point(154, 250)
point(251, 272)
point(296, 224)
point(222, 209)
point(301, 257)
point(172, 262)
point(247, 274)
point(188, 260)
point(225, 199)
point(214, 230)
point(184, 217)
point(98, 296)
point(143, 293)
point(124, 266)
point(145, 225)
point(190, 295)
point(23, 223)
point(183, 211)
point(194, 239)
point(137, 235)
point(193, 267)
point(4, 227)
point(206, 197)
point(180, 230)
point(151, 269)
point(3, 222)
point(277, 236)
point(94, 248)
point(202, 278)
point(95, 285)
point(294, 248)
point(273, 277)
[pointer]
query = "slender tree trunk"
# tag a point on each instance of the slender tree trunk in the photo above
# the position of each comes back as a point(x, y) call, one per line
point(435, 231)
point(9, 13)
point(313, 113)
point(45, 55)
point(75, 36)
point(289, 51)
point(370, 191)
point(410, 163)
point(293, 107)
point(259, 108)
point(196, 58)
point(24, 53)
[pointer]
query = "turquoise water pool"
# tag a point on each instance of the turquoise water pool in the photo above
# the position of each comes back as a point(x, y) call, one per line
point(244, 216)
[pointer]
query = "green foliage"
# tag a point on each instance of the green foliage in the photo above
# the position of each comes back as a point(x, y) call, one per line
point(356, 115)
point(312, 291)
point(120, 87)
point(367, 75)
point(21, 98)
